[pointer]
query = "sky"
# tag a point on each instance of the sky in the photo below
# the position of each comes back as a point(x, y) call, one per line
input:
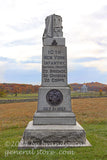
point(22, 24)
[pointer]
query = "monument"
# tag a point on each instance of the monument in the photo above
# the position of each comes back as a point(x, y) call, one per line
point(84, 89)
point(54, 124)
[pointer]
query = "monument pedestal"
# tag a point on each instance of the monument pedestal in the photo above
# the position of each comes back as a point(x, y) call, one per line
point(53, 136)
point(48, 114)
point(54, 118)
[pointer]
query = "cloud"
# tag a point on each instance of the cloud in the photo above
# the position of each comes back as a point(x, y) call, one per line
point(22, 75)
point(102, 14)
point(5, 59)
point(85, 59)
point(34, 59)
point(102, 41)
point(88, 45)
point(26, 65)
point(21, 53)
point(29, 24)
point(23, 22)
point(87, 74)
point(19, 73)
point(2, 71)
point(30, 41)
point(100, 64)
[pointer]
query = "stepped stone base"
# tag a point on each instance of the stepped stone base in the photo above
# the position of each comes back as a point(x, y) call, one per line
point(53, 136)
point(54, 118)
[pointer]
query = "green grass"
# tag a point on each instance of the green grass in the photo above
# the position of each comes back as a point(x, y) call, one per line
point(90, 113)
point(96, 134)
point(20, 96)
point(88, 94)
point(35, 95)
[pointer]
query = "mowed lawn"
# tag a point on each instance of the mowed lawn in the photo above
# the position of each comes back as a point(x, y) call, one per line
point(91, 113)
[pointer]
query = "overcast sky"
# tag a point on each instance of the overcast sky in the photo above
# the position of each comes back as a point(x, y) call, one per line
point(22, 24)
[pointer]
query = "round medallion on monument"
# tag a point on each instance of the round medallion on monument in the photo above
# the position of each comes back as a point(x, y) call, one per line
point(54, 97)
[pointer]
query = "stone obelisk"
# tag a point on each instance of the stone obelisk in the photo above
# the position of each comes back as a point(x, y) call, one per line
point(54, 124)
point(54, 103)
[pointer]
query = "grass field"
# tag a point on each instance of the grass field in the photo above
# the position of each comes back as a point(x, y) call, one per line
point(20, 96)
point(88, 94)
point(90, 113)
point(35, 95)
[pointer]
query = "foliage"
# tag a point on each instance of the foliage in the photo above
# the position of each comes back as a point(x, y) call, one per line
point(94, 86)
point(28, 88)
point(19, 88)
point(105, 89)
point(71, 87)
point(2, 93)
point(100, 91)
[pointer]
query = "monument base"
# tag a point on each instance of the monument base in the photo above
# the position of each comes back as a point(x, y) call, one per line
point(54, 118)
point(53, 136)
point(48, 114)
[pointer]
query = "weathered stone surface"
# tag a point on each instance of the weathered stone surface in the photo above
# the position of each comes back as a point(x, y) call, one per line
point(53, 136)
point(51, 41)
point(54, 66)
point(53, 26)
point(54, 118)
point(54, 93)
point(54, 114)
point(54, 124)
point(64, 106)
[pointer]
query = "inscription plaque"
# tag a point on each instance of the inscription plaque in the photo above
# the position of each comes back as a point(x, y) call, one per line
point(54, 66)
point(54, 97)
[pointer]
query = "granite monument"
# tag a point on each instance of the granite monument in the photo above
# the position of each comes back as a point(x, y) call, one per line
point(84, 89)
point(54, 124)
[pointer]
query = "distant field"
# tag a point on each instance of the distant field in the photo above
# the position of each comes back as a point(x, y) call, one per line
point(90, 113)
point(35, 95)
point(88, 94)
point(20, 96)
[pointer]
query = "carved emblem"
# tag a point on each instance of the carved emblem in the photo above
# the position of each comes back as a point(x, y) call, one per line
point(54, 97)
point(54, 43)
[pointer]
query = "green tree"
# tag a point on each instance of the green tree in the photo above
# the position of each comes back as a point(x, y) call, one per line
point(2, 93)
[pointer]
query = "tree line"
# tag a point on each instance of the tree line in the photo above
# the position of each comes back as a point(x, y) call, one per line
point(11, 88)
